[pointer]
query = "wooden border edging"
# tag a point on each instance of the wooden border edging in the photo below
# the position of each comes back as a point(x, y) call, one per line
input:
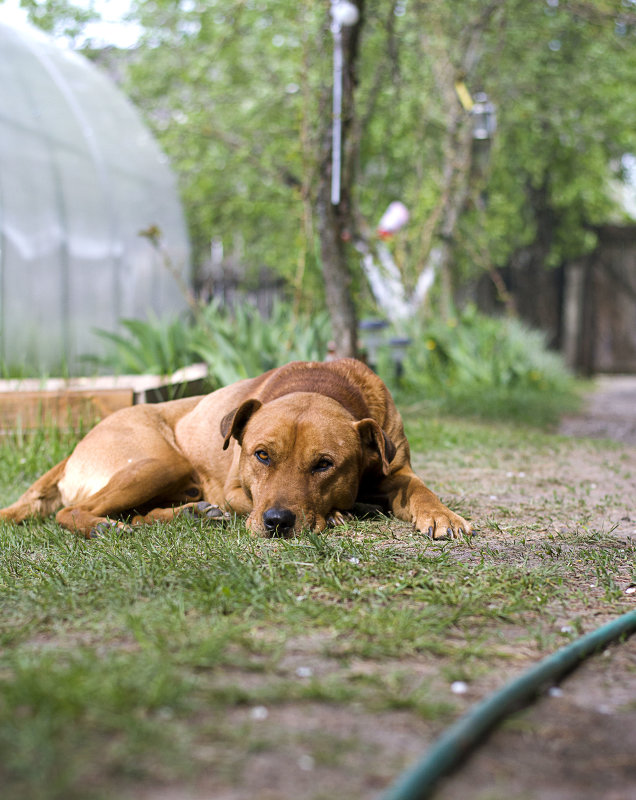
point(73, 403)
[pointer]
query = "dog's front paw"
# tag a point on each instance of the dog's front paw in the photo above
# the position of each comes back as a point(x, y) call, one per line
point(336, 518)
point(440, 522)
point(204, 510)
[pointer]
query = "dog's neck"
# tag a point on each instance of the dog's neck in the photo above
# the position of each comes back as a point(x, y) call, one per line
point(320, 379)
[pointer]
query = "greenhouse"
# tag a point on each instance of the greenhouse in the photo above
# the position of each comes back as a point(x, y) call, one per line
point(80, 179)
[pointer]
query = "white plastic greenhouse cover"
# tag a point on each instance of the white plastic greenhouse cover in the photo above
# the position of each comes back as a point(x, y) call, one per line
point(80, 177)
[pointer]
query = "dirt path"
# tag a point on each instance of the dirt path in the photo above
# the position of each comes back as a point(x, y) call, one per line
point(609, 412)
point(576, 743)
point(579, 741)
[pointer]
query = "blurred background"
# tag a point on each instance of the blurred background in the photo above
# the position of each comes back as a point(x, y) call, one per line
point(447, 189)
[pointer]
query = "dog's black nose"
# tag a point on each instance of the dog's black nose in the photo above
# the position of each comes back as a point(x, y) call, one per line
point(279, 520)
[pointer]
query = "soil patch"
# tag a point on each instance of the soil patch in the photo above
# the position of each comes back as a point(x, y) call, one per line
point(577, 743)
point(609, 412)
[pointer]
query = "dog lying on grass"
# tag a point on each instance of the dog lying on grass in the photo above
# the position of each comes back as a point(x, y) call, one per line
point(294, 448)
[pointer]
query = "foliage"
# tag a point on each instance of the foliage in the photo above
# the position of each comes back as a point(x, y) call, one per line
point(61, 18)
point(473, 364)
point(222, 89)
point(243, 344)
point(561, 113)
point(155, 346)
point(235, 343)
point(270, 73)
point(487, 367)
point(237, 93)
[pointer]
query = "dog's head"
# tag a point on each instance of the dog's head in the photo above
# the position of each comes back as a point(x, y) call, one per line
point(302, 458)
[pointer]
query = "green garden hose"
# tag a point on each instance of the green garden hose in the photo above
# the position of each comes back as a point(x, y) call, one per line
point(418, 782)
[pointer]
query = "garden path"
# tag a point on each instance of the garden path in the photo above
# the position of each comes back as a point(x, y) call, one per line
point(609, 411)
point(578, 741)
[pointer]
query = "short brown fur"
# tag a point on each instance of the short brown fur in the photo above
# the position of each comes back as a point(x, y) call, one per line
point(291, 449)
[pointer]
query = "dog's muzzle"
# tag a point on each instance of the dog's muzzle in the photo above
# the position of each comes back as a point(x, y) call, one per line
point(279, 521)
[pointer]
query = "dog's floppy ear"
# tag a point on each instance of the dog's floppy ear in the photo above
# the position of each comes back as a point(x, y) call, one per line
point(233, 424)
point(372, 436)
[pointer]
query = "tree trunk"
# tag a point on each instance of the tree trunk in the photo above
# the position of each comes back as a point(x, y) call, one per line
point(334, 221)
point(335, 270)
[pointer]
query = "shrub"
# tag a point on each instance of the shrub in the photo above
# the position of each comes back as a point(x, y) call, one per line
point(485, 366)
point(472, 365)
point(155, 346)
point(235, 343)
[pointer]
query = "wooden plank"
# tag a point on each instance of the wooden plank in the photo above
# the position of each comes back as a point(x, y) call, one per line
point(75, 403)
point(140, 384)
point(170, 391)
point(69, 409)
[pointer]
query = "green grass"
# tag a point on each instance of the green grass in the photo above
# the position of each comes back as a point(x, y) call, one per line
point(137, 660)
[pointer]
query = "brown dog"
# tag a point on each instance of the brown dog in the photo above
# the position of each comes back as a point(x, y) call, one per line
point(292, 449)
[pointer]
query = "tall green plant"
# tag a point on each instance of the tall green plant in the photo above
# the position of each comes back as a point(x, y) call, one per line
point(243, 344)
point(485, 366)
point(154, 346)
point(237, 343)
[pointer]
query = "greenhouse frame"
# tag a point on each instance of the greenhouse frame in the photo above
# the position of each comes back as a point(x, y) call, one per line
point(81, 179)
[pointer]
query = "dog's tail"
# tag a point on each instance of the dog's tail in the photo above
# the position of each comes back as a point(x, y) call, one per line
point(40, 499)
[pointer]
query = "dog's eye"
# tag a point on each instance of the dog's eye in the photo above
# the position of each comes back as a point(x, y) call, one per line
point(262, 456)
point(322, 465)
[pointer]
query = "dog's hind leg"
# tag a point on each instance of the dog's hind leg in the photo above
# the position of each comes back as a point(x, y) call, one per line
point(40, 499)
point(129, 488)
